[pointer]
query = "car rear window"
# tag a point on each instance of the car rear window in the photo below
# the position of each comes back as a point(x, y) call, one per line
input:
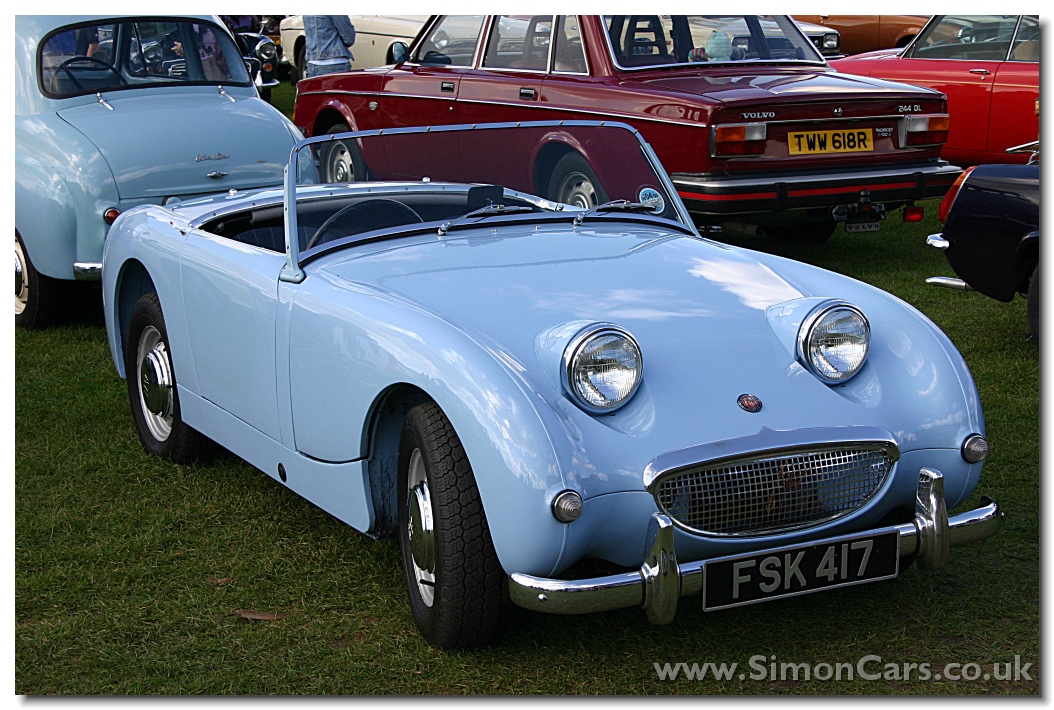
point(121, 54)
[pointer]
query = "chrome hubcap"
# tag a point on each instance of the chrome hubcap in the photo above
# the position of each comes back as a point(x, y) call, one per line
point(21, 280)
point(155, 383)
point(341, 168)
point(577, 190)
point(420, 528)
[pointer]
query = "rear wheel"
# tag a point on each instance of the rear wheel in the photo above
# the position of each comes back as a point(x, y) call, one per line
point(452, 572)
point(298, 70)
point(152, 388)
point(814, 232)
point(1033, 304)
point(342, 160)
point(37, 297)
point(574, 183)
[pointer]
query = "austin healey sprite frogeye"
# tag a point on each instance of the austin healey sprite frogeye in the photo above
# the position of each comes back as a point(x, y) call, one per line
point(511, 385)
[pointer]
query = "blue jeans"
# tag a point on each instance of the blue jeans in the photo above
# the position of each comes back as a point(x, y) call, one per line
point(320, 69)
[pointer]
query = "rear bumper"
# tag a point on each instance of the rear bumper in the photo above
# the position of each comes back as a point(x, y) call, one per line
point(774, 192)
point(661, 581)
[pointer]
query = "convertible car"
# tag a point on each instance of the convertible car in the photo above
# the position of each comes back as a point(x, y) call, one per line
point(512, 385)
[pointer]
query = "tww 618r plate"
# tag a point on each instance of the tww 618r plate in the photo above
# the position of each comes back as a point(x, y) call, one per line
point(848, 140)
point(802, 569)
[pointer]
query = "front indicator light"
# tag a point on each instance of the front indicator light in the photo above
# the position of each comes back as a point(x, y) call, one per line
point(975, 449)
point(567, 506)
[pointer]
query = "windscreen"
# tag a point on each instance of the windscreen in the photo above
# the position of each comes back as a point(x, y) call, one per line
point(639, 41)
point(466, 176)
point(120, 54)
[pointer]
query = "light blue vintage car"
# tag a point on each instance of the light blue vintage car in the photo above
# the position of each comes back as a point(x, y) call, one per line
point(116, 112)
point(512, 385)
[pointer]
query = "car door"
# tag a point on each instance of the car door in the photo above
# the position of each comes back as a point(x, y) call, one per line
point(958, 55)
point(230, 292)
point(507, 86)
point(1015, 94)
point(423, 91)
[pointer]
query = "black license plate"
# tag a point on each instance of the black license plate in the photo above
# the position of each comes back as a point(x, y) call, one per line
point(802, 569)
point(862, 226)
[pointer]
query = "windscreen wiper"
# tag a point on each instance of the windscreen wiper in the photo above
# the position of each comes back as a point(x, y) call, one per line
point(481, 213)
point(614, 206)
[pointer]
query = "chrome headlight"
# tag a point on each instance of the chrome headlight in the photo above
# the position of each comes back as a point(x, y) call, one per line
point(831, 41)
point(834, 340)
point(266, 51)
point(603, 367)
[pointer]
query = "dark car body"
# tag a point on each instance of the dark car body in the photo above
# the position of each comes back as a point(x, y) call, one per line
point(991, 234)
point(679, 107)
point(991, 80)
point(261, 59)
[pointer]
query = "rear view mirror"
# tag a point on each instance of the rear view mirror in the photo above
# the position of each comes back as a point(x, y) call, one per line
point(400, 52)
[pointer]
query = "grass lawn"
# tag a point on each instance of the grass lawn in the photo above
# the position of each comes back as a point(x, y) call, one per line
point(129, 569)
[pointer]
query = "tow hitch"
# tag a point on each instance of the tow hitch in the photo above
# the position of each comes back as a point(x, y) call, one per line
point(861, 216)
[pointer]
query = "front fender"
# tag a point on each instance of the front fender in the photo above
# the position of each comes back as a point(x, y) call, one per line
point(349, 342)
point(63, 185)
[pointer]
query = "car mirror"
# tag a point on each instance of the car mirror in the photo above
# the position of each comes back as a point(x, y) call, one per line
point(400, 52)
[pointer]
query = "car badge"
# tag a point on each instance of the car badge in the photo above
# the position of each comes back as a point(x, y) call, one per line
point(749, 403)
point(218, 156)
point(838, 112)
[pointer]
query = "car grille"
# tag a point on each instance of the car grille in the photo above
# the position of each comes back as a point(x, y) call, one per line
point(773, 493)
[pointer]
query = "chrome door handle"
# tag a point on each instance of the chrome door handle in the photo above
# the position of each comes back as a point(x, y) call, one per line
point(217, 174)
point(980, 71)
point(447, 87)
point(526, 93)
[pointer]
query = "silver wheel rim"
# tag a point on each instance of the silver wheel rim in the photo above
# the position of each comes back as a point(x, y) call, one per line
point(156, 396)
point(577, 190)
point(420, 528)
point(21, 280)
point(339, 165)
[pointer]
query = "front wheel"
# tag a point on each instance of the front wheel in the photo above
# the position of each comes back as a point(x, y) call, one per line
point(452, 572)
point(342, 160)
point(574, 183)
point(1033, 304)
point(152, 388)
point(37, 297)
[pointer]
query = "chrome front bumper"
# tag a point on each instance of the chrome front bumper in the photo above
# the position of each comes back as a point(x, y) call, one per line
point(661, 580)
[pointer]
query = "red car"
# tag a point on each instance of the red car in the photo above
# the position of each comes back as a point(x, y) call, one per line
point(988, 65)
point(756, 130)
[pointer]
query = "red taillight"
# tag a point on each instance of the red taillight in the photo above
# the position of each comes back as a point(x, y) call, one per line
point(949, 199)
point(927, 130)
point(927, 138)
point(110, 215)
point(913, 213)
point(739, 139)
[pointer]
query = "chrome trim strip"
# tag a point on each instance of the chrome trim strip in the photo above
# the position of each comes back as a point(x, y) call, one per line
point(767, 442)
point(770, 180)
point(948, 282)
point(87, 271)
point(629, 589)
point(616, 116)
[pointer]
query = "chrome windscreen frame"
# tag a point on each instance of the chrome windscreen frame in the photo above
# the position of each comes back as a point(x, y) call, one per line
point(292, 272)
point(770, 444)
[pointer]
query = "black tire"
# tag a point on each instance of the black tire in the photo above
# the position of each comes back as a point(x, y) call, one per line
point(574, 183)
point(1033, 304)
point(181, 444)
point(298, 70)
point(38, 298)
point(466, 578)
point(341, 161)
point(812, 232)
point(265, 94)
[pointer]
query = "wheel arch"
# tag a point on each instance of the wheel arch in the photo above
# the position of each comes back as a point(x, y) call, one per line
point(133, 282)
point(545, 162)
point(1025, 260)
point(330, 115)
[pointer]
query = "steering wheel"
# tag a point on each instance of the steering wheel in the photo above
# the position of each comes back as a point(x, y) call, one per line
point(364, 216)
point(65, 67)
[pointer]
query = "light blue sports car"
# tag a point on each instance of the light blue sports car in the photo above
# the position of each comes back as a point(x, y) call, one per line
point(512, 385)
point(114, 112)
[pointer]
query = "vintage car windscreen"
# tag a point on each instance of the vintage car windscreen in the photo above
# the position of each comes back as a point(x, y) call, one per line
point(388, 182)
point(639, 41)
point(122, 54)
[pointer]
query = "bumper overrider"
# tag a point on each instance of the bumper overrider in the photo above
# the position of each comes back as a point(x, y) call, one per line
point(773, 192)
point(662, 580)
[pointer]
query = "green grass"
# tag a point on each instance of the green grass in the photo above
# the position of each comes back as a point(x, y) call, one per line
point(129, 569)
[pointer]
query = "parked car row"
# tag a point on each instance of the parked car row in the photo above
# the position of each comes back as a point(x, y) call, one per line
point(430, 316)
